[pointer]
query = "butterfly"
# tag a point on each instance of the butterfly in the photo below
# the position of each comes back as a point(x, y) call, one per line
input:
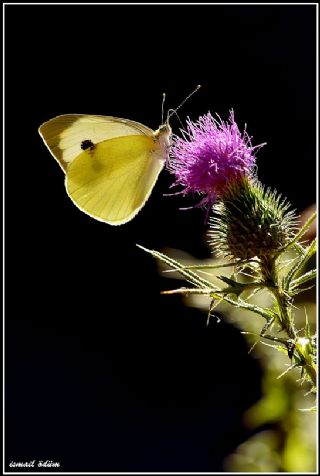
point(111, 164)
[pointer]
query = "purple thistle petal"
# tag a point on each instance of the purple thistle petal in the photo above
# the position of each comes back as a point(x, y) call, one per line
point(210, 154)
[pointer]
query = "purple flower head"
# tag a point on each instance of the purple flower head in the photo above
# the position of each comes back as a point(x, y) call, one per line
point(211, 154)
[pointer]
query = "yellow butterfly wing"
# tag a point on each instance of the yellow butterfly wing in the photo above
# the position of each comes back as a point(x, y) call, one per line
point(63, 135)
point(112, 180)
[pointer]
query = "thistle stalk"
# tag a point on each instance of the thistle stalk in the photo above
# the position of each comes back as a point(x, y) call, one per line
point(269, 273)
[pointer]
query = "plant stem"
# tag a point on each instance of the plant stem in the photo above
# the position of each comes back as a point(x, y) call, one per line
point(285, 312)
point(271, 277)
point(272, 280)
point(311, 371)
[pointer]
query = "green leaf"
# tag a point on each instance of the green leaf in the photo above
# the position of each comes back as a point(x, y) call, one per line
point(262, 311)
point(303, 259)
point(207, 285)
point(280, 348)
point(223, 265)
point(190, 275)
point(296, 291)
point(187, 291)
point(303, 279)
point(237, 288)
point(311, 409)
point(301, 232)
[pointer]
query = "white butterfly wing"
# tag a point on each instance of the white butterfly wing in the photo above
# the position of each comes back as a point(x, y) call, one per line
point(113, 180)
point(64, 135)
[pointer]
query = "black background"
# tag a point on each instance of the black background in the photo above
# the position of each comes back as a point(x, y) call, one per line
point(102, 372)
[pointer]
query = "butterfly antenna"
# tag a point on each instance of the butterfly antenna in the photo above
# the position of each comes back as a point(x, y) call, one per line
point(162, 107)
point(173, 111)
point(182, 103)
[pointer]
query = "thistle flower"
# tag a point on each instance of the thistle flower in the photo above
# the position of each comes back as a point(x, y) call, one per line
point(210, 155)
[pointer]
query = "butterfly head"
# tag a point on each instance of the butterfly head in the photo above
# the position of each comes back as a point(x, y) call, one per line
point(163, 135)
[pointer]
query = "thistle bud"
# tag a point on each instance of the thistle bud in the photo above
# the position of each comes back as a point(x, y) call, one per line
point(250, 221)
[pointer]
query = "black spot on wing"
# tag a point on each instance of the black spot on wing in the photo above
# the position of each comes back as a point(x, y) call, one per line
point(87, 144)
